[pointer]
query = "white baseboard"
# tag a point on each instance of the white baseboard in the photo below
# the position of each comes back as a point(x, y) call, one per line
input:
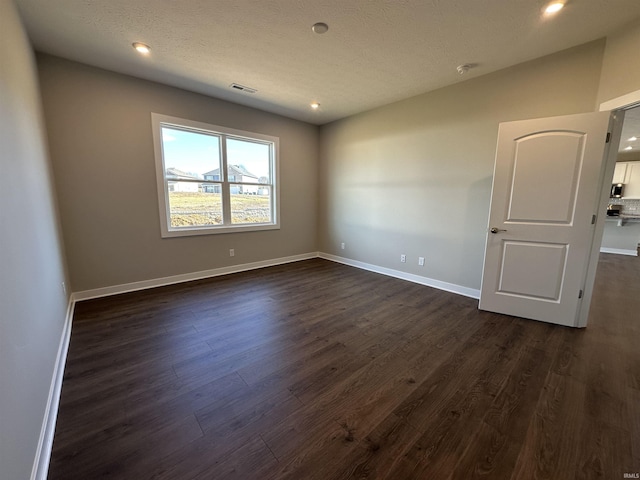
point(429, 282)
point(43, 453)
point(45, 443)
point(619, 251)
point(186, 277)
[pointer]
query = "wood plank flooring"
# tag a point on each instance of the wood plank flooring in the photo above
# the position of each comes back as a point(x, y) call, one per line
point(316, 370)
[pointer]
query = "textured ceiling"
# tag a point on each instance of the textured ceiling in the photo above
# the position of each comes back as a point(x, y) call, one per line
point(375, 52)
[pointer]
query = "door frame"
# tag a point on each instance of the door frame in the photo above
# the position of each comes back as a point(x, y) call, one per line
point(617, 106)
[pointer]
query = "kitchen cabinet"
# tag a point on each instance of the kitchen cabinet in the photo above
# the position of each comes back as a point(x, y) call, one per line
point(622, 240)
point(620, 173)
point(628, 173)
point(632, 180)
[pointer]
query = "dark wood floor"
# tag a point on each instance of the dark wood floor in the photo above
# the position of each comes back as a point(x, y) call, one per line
point(316, 370)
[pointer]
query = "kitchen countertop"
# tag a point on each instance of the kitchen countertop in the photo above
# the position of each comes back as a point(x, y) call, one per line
point(624, 217)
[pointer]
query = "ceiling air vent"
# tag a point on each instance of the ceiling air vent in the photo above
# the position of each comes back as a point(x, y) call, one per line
point(242, 88)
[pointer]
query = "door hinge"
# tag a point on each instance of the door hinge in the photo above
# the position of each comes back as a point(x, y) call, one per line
point(608, 137)
point(580, 294)
point(593, 219)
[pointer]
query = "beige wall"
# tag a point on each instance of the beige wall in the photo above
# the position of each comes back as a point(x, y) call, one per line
point(620, 65)
point(414, 177)
point(99, 125)
point(32, 303)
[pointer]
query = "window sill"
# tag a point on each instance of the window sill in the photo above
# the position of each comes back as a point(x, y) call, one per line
point(188, 232)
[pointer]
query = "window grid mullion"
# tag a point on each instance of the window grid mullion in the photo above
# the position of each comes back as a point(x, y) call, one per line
point(187, 180)
point(226, 190)
point(272, 183)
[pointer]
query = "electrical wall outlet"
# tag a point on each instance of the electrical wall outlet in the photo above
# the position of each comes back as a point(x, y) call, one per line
point(342, 245)
point(232, 252)
point(64, 288)
point(403, 258)
point(421, 261)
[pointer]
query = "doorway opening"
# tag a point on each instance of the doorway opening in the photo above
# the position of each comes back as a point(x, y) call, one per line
point(526, 289)
point(621, 234)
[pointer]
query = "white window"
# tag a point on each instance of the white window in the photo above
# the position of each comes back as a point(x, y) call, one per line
point(214, 179)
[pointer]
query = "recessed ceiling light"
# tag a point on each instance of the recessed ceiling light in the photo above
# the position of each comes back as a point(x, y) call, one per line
point(629, 148)
point(554, 7)
point(632, 139)
point(142, 48)
point(315, 105)
point(320, 28)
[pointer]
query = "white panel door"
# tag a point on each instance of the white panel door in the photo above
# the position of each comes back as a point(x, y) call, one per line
point(546, 189)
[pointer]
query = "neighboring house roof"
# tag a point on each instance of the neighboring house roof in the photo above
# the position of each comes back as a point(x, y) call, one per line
point(234, 170)
point(175, 172)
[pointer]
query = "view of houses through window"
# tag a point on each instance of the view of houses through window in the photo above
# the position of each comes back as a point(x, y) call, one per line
point(200, 193)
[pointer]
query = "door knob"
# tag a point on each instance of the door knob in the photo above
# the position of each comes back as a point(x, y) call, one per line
point(496, 230)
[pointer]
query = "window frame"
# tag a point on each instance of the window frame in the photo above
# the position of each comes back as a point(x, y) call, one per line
point(167, 231)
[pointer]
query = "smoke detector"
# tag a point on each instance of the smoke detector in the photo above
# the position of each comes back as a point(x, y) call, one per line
point(320, 28)
point(464, 68)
